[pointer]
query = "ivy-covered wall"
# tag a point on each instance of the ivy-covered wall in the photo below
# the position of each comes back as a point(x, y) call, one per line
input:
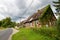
point(47, 15)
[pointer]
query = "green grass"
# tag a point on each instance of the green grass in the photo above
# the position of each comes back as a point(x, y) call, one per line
point(29, 34)
point(1, 28)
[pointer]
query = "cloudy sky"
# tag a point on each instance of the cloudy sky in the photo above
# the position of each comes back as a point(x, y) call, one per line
point(21, 9)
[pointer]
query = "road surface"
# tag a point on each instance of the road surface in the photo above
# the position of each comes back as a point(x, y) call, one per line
point(5, 34)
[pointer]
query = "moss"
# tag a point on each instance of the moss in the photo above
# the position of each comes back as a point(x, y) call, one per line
point(46, 15)
point(45, 10)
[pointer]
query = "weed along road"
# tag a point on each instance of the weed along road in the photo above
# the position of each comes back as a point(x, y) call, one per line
point(5, 34)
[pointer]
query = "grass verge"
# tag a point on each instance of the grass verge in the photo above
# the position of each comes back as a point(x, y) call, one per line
point(1, 28)
point(29, 34)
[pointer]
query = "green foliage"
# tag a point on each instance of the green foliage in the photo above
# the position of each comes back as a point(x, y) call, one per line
point(47, 31)
point(57, 6)
point(58, 27)
point(29, 34)
point(45, 10)
point(7, 22)
point(41, 17)
point(58, 13)
point(46, 15)
point(0, 23)
point(58, 24)
point(13, 24)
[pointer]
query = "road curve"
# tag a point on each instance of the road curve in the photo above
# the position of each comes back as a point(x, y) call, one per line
point(5, 34)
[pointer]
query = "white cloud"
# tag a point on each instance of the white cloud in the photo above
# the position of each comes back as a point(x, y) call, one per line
point(8, 8)
point(16, 8)
point(1, 17)
point(36, 2)
point(28, 2)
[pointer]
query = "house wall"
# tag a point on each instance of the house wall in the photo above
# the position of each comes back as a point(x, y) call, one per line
point(27, 24)
point(33, 24)
point(36, 23)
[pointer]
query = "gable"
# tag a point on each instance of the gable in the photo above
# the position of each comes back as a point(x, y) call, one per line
point(44, 13)
point(48, 14)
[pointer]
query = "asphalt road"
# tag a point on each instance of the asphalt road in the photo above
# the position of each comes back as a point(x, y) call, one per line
point(5, 34)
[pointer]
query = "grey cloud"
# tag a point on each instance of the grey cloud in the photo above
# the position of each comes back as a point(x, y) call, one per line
point(21, 4)
point(33, 8)
point(20, 8)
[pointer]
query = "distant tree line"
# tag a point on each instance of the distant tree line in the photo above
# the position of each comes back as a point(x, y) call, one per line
point(7, 23)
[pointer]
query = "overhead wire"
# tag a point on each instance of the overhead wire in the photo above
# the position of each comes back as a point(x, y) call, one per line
point(26, 9)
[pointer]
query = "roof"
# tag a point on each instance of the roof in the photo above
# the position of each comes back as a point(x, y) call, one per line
point(39, 13)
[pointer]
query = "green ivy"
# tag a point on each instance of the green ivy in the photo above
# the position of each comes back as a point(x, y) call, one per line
point(46, 15)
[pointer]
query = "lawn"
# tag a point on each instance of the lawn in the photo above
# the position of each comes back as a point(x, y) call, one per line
point(29, 34)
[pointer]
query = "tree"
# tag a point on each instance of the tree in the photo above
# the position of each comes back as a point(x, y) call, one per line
point(13, 24)
point(58, 28)
point(57, 5)
point(0, 23)
point(7, 22)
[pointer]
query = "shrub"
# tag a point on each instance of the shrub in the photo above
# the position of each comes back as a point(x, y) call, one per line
point(29, 34)
point(47, 31)
point(7, 22)
point(58, 24)
point(58, 27)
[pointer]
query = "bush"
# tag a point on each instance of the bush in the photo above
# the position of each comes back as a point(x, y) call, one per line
point(58, 24)
point(7, 22)
point(29, 34)
point(58, 27)
point(47, 31)
point(0, 23)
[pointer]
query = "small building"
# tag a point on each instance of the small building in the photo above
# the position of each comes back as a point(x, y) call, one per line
point(44, 16)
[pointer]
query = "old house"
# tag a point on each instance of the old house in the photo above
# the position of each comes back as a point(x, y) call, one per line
point(44, 16)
